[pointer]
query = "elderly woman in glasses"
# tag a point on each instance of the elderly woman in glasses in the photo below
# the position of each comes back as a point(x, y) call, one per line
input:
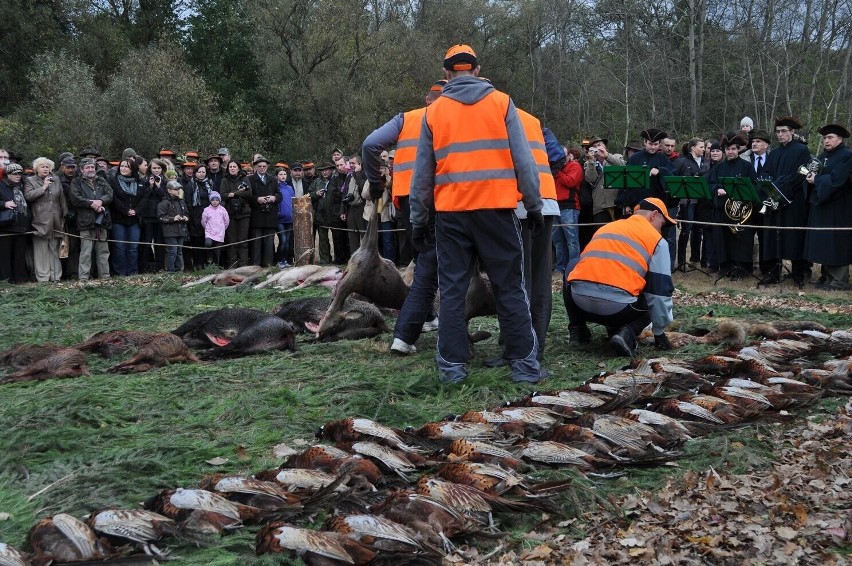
point(43, 192)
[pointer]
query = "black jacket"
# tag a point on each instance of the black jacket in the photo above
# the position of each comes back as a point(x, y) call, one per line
point(264, 215)
point(24, 216)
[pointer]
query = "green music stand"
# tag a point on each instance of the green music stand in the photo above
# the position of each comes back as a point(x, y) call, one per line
point(688, 188)
point(741, 189)
point(627, 177)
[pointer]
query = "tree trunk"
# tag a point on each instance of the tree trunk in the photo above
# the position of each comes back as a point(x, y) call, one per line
point(303, 230)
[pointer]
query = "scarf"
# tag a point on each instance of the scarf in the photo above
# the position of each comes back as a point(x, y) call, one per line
point(128, 184)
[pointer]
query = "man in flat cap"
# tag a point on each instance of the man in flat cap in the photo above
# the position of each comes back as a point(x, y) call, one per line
point(782, 167)
point(831, 207)
point(597, 158)
point(473, 162)
point(263, 201)
point(658, 166)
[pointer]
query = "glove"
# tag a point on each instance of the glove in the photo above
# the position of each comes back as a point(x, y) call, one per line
point(376, 189)
point(661, 342)
point(420, 237)
point(535, 221)
point(348, 198)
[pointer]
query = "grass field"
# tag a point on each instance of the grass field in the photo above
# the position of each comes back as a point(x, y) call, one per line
point(79, 444)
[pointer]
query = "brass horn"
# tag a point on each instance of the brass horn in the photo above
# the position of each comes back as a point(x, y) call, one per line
point(739, 212)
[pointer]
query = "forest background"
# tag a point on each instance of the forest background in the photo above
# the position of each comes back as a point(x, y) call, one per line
point(295, 78)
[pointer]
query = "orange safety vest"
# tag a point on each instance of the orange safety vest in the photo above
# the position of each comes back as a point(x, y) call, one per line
point(535, 137)
point(406, 152)
point(618, 255)
point(473, 164)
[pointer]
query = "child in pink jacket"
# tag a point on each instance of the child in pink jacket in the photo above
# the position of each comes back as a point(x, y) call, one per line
point(215, 220)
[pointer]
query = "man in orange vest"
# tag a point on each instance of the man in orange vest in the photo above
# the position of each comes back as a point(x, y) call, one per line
point(538, 252)
point(473, 164)
point(403, 130)
point(624, 280)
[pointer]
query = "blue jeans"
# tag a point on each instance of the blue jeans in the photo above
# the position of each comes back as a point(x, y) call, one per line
point(417, 308)
point(174, 254)
point(670, 234)
point(566, 239)
point(125, 261)
point(388, 240)
point(285, 233)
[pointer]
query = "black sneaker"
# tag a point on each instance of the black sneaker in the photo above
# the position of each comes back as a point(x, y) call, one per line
point(624, 343)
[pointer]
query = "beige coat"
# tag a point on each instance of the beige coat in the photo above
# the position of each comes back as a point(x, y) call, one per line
point(388, 212)
point(48, 206)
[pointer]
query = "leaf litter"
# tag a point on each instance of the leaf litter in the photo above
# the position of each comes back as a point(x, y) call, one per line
point(795, 512)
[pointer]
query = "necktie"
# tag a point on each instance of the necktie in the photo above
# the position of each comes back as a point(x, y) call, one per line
point(759, 164)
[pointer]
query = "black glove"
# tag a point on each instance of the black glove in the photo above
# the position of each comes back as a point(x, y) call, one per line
point(535, 222)
point(661, 342)
point(376, 189)
point(420, 237)
point(349, 198)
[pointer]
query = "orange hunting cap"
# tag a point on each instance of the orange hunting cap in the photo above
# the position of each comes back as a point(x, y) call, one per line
point(460, 57)
point(656, 204)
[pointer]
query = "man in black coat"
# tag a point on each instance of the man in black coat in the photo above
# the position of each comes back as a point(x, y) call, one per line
point(263, 201)
point(831, 207)
point(659, 166)
point(782, 166)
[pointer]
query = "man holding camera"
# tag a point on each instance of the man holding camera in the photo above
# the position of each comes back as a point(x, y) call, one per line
point(91, 196)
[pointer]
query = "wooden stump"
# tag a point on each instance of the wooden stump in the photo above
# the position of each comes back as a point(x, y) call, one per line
point(303, 230)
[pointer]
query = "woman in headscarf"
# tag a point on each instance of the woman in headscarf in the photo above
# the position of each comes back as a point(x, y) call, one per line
point(14, 237)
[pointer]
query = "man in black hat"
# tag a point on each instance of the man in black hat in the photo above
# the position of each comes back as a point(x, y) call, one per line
point(782, 166)
point(263, 201)
point(658, 166)
point(323, 193)
point(831, 207)
point(214, 170)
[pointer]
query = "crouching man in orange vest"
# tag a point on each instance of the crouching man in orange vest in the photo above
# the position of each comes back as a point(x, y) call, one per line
point(473, 164)
point(623, 280)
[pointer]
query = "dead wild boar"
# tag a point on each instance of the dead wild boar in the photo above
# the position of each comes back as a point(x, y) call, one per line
point(67, 362)
point(244, 275)
point(113, 343)
point(357, 319)
point(236, 332)
point(20, 356)
point(162, 348)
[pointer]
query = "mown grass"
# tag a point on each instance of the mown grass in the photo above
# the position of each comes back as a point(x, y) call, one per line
point(109, 439)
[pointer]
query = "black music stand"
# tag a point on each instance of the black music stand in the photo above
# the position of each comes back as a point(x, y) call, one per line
point(688, 188)
point(773, 193)
point(740, 189)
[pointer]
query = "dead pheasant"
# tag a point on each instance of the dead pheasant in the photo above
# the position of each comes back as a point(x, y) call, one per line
point(136, 525)
point(313, 547)
point(355, 429)
point(472, 451)
point(64, 538)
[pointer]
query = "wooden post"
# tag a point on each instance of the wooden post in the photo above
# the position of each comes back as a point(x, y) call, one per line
point(303, 230)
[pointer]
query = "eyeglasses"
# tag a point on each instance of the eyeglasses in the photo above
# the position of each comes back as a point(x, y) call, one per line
point(782, 130)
